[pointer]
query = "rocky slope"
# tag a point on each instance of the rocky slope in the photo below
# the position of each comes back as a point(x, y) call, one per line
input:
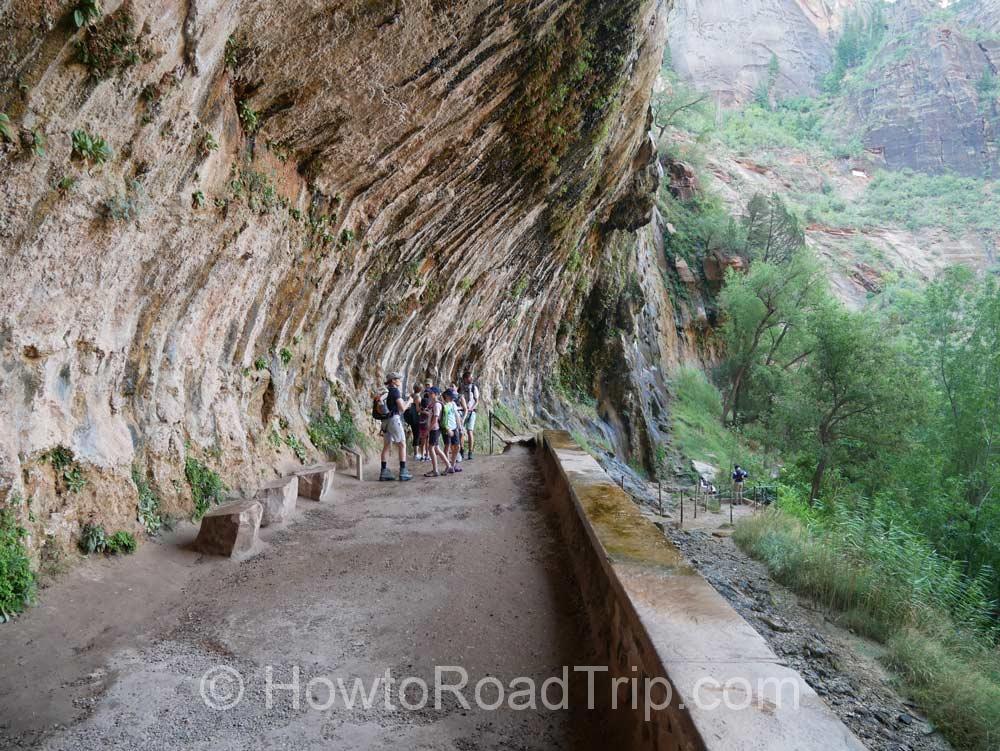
point(726, 47)
point(298, 198)
point(921, 102)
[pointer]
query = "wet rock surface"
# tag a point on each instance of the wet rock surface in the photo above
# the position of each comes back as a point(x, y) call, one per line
point(840, 667)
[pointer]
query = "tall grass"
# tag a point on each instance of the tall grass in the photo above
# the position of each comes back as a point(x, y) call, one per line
point(698, 430)
point(891, 585)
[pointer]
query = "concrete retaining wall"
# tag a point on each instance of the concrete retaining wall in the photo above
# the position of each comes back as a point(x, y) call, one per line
point(653, 616)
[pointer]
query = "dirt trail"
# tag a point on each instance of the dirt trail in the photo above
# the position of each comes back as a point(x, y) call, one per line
point(842, 667)
point(461, 570)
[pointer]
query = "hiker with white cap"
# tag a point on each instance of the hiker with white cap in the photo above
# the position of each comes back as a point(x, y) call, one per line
point(391, 412)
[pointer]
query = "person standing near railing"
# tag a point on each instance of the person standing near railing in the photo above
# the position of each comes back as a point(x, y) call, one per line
point(739, 477)
point(470, 393)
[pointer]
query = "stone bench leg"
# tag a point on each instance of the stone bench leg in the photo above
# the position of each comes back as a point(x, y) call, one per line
point(230, 529)
point(278, 499)
point(316, 482)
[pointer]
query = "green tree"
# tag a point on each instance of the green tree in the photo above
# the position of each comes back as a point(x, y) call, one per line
point(764, 315)
point(855, 397)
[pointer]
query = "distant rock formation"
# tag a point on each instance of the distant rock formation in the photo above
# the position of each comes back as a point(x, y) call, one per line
point(726, 46)
point(926, 101)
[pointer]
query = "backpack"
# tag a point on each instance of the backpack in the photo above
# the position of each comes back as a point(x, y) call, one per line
point(380, 410)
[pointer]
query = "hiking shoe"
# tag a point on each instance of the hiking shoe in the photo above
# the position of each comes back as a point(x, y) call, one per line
point(385, 475)
point(432, 473)
point(468, 456)
point(404, 475)
point(457, 468)
point(450, 471)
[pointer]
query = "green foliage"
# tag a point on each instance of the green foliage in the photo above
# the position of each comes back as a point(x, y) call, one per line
point(296, 446)
point(93, 539)
point(236, 52)
point(574, 71)
point(17, 581)
point(109, 46)
point(38, 142)
point(860, 38)
point(148, 504)
point(198, 199)
point(207, 144)
point(332, 436)
point(86, 12)
point(6, 131)
point(69, 473)
point(249, 117)
point(257, 188)
point(697, 430)
point(90, 148)
point(260, 363)
point(125, 206)
point(207, 488)
point(285, 355)
point(122, 543)
point(888, 583)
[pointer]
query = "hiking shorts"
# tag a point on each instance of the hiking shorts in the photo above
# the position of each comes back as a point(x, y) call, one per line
point(455, 439)
point(470, 421)
point(392, 430)
point(435, 437)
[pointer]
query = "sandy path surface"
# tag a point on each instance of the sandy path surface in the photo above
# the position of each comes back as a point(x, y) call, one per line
point(462, 570)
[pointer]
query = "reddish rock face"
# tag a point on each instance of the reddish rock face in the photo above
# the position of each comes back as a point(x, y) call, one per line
point(682, 180)
point(920, 105)
point(297, 197)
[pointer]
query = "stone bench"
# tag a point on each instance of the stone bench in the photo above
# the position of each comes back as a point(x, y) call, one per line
point(316, 482)
point(230, 529)
point(353, 459)
point(278, 498)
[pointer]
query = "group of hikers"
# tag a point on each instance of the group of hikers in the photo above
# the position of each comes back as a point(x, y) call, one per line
point(442, 424)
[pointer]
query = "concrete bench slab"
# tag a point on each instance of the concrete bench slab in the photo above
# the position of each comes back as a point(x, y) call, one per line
point(230, 529)
point(278, 499)
point(316, 482)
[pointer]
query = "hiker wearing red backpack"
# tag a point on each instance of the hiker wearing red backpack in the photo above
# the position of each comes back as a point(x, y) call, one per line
point(389, 407)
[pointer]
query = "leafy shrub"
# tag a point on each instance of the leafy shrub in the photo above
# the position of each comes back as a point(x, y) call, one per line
point(207, 488)
point(17, 581)
point(110, 45)
point(332, 436)
point(198, 199)
point(148, 505)
point(236, 52)
point(86, 12)
point(90, 148)
point(124, 206)
point(6, 131)
point(260, 363)
point(286, 355)
point(207, 144)
point(296, 446)
point(69, 473)
point(93, 539)
point(249, 117)
point(38, 142)
point(121, 542)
